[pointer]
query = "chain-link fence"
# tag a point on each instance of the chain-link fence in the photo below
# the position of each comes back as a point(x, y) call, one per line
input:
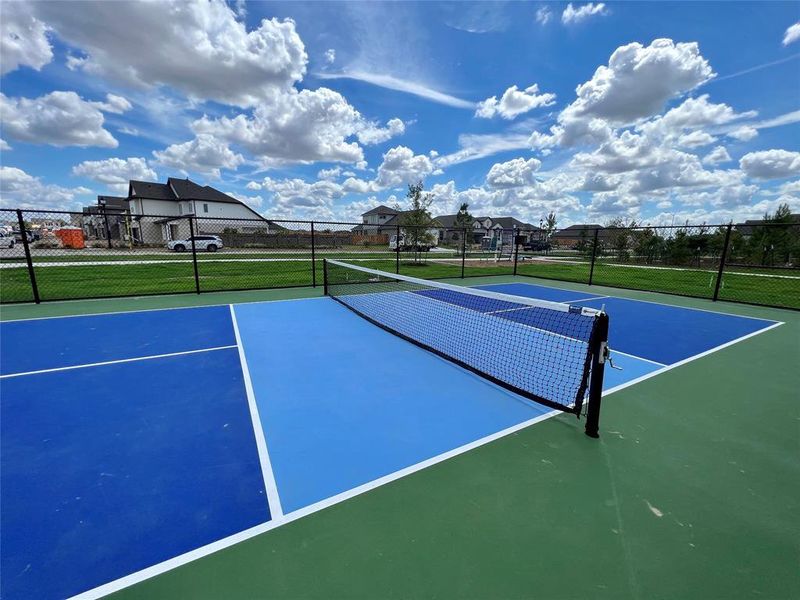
point(54, 255)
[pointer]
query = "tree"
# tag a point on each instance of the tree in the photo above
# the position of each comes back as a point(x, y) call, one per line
point(417, 222)
point(620, 237)
point(550, 224)
point(464, 221)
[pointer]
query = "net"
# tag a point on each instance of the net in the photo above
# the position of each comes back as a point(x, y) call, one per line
point(549, 352)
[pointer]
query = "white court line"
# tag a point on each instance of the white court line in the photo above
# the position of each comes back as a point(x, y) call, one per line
point(276, 510)
point(653, 362)
point(145, 310)
point(589, 298)
point(115, 362)
point(680, 363)
point(183, 559)
point(178, 561)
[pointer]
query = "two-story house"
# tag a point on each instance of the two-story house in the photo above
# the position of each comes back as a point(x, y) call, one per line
point(160, 211)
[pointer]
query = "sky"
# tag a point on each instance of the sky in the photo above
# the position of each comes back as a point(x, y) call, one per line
point(662, 113)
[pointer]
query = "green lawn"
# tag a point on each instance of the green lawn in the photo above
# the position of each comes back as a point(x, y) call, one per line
point(764, 286)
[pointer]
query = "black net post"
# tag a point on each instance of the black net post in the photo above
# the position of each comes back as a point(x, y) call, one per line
point(515, 241)
point(598, 347)
point(313, 258)
point(325, 276)
point(194, 256)
point(397, 250)
point(31, 274)
point(463, 252)
point(722, 261)
point(594, 256)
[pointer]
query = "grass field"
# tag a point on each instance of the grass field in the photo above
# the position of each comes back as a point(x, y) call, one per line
point(173, 273)
point(691, 492)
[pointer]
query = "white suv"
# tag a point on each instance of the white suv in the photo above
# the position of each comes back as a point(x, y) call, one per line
point(6, 240)
point(210, 243)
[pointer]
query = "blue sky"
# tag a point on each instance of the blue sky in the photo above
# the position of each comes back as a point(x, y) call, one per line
point(658, 112)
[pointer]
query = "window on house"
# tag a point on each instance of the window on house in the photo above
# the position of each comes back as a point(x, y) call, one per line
point(180, 208)
point(205, 208)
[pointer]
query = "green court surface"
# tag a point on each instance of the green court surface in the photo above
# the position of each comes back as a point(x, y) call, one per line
point(692, 491)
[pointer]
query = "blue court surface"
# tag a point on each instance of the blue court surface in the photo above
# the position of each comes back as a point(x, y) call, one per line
point(131, 439)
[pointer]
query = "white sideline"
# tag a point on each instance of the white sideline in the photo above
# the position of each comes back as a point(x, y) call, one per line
point(114, 362)
point(178, 561)
point(275, 508)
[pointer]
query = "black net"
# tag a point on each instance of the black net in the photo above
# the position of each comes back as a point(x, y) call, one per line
point(540, 350)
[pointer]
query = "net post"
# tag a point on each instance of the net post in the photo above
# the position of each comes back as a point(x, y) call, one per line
point(194, 256)
point(516, 247)
point(313, 258)
point(325, 276)
point(598, 346)
point(31, 273)
point(463, 252)
point(594, 255)
point(397, 250)
point(722, 257)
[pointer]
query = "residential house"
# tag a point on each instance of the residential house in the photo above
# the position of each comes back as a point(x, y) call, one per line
point(749, 227)
point(384, 221)
point(574, 236)
point(160, 211)
point(486, 229)
point(106, 220)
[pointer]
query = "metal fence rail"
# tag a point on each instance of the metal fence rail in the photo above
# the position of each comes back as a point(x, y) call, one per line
point(59, 255)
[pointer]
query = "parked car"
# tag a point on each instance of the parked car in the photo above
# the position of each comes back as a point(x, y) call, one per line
point(209, 243)
point(407, 245)
point(6, 241)
point(537, 246)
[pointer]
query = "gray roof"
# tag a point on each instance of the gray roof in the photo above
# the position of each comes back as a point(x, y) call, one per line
point(574, 231)
point(380, 210)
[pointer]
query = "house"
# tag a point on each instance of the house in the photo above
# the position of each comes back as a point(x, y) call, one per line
point(106, 219)
point(384, 221)
point(488, 228)
point(160, 211)
point(573, 236)
point(749, 227)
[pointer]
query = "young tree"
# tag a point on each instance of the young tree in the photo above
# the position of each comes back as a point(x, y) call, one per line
point(463, 222)
point(550, 224)
point(417, 222)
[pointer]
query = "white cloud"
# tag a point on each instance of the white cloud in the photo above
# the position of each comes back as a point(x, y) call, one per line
point(57, 118)
point(476, 146)
point(401, 85)
point(330, 55)
point(115, 172)
point(696, 139)
point(304, 126)
point(692, 115)
point(576, 15)
point(358, 186)
point(514, 173)
point(114, 104)
point(204, 154)
point(372, 133)
point(201, 48)
point(295, 198)
point(329, 173)
point(745, 133)
point(18, 189)
point(716, 156)
point(253, 185)
point(792, 34)
point(401, 166)
point(4, 145)
point(543, 15)
point(771, 164)
point(514, 102)
point(23, 39)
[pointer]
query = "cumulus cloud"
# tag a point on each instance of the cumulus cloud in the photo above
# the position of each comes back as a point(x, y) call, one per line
point(771, 164)
point(18, 189)
point(304, 126)
point(58, 119)
point(204, 154)
point(295, 198)
point(745, 133)
point(330, 55)
point(717, 156)
point(695, 139)
point(23, 39)
point(514, 102)
point(114, 104)
point(202, 49)
point(4, 145)
point(401, 166)
point(115, 172)
point(792, 34)
point(514, 173)
point(332, 173)
point(576, 15)
point(371, 133)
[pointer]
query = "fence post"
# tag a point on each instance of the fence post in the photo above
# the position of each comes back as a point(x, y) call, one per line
point(397, 250)
point(594, 255)
point(31, 274)
point(313, 258)
point(194, 256)
point(516, 248)
point(463, 251)
point(108, 229)
point(722, 261)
